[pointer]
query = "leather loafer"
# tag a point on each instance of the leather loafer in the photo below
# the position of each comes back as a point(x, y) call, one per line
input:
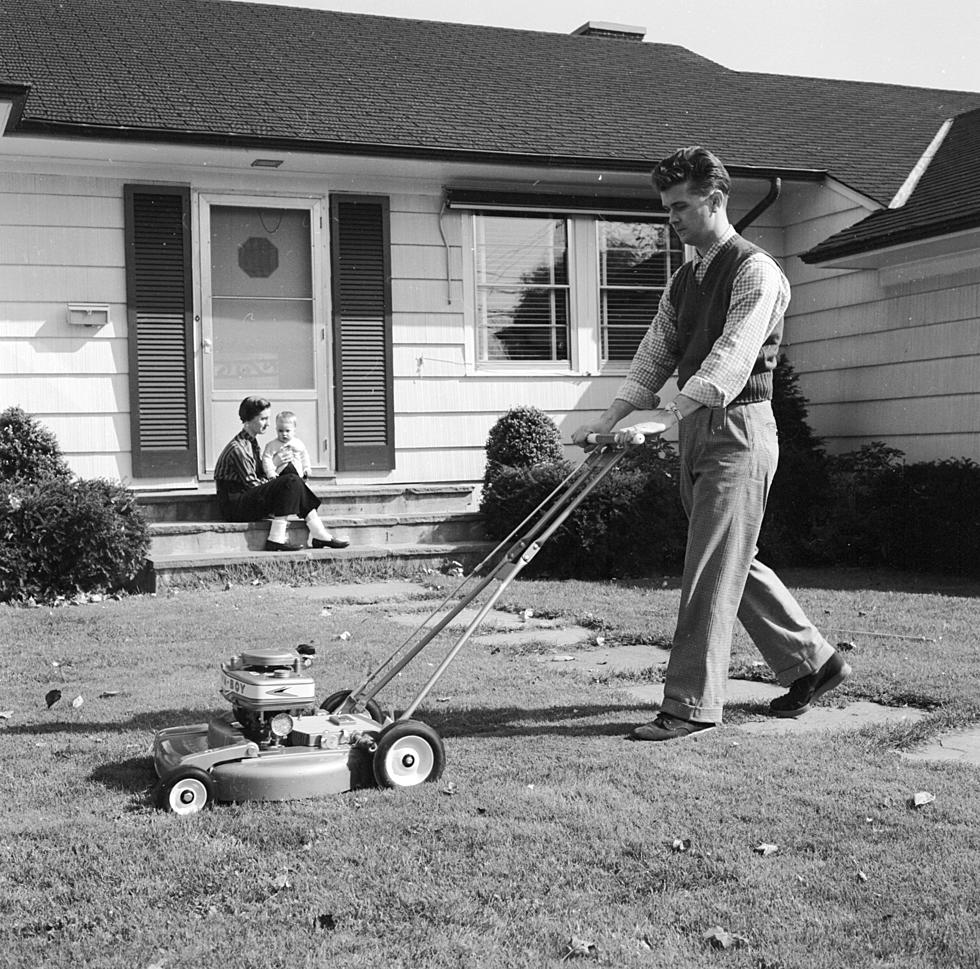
point(331, 542)
point(282, 547)
point(804, 691)
point(666, 727)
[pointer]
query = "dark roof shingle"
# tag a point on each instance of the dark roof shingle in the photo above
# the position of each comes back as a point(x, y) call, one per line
point(207, 71)
point(944, 200)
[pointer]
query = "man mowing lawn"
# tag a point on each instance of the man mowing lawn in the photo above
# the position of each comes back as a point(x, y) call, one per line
point(719, 324)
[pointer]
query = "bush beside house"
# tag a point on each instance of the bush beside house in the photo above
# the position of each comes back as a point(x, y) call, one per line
point(59, 535)
point(863, 508)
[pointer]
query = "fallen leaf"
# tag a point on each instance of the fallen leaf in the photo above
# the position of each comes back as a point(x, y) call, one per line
point(450, 788)
point(78, 701)
point(106, 694)
point(562, 659)
point(765, 849)
point(862, 877)
point(681, 844)
point(600, 640)
point(6, 714)
point(306, 649)
point(52, 697)
point(921, 798)
point(576, 947)
point(282, 882)
point(719, 938)
point(344, 635)
point(326, 612)
point(845, 647)
point(325, 921)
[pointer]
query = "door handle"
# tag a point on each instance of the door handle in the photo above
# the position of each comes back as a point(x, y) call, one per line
point(206, 345)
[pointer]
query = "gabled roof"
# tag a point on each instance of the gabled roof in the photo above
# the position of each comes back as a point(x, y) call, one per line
point(944, 200)
point(207, 71)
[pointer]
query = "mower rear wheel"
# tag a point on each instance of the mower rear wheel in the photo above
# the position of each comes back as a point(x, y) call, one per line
point(409, 753)
point(333, 701)
point(186, 790)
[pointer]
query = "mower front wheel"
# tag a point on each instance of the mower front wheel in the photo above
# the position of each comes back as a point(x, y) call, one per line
point(409, 753)
point(333, 702)
point(186, 790)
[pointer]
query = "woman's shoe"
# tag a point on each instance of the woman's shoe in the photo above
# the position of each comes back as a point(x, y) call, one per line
point(282, 547)
point(331, 542)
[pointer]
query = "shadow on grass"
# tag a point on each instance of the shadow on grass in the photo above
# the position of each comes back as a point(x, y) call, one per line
point(153, 721)
point(842, 579)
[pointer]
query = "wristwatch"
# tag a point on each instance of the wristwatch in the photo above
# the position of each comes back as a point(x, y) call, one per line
point(673, 408)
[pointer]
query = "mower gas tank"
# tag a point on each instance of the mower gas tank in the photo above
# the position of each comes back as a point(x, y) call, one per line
point(266, 679)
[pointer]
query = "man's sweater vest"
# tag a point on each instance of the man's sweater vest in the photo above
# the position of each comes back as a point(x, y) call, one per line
point(702, 309)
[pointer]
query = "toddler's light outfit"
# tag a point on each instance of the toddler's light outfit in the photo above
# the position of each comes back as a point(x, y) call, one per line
point(277, 454)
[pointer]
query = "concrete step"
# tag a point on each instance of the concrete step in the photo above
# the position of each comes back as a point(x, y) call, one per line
point(217, 537)
point(202, 505)
point(161, 570)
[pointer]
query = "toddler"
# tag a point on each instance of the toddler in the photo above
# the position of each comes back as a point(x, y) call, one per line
point(285, 449)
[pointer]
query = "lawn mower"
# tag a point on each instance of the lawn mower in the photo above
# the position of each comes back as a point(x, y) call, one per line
point(276, 744)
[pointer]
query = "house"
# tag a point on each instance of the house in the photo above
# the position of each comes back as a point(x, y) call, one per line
point(399, 229)
point(905, 362)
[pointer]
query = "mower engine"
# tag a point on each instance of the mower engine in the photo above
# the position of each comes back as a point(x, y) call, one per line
point(267, 692)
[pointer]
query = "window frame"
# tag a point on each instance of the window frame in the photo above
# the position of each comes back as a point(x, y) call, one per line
point(584, 287)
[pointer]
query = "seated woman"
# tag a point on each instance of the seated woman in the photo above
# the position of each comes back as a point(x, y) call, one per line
point(245, 494)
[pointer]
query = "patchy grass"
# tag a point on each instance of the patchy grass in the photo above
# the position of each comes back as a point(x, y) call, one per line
point(548, 825)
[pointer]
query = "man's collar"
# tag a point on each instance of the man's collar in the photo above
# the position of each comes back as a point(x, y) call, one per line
point(717, 244)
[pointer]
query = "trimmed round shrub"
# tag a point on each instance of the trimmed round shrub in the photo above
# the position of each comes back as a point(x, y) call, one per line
point(522, 438)
point(59, 537)
point(28, 450)
point(630, 524)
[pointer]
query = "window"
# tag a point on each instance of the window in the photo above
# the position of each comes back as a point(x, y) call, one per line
point(635, 261)
point(522, 288)
point(571, 291)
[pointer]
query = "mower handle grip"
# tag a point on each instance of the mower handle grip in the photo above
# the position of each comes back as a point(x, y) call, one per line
point(636, 434)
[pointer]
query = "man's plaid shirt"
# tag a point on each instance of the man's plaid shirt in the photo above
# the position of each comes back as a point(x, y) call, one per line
point(760, 295)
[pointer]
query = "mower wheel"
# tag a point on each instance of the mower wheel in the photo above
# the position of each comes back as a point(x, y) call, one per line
point(409, 752)
point(333, 701)
point(186, 790)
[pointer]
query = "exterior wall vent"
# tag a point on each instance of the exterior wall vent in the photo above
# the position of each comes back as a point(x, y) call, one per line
point(599, 28)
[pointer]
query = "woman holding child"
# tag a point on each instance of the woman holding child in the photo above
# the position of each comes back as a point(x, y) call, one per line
point(247, 493)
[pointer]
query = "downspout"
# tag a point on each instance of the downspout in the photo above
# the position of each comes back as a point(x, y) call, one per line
point(775, 186)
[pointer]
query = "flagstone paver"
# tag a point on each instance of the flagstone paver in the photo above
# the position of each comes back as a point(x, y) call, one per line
point(505, 629)
point(960, 747)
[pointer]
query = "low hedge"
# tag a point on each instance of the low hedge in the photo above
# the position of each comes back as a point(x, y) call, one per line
point(61, 536)
point(630, 524)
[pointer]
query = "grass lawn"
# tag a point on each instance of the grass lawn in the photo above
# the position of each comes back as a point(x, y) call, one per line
point(550, 839)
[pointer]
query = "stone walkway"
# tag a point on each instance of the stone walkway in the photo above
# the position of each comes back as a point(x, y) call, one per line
point(507, 629)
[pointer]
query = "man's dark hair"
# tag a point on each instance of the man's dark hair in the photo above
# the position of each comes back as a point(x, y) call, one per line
point(698, 166)
point(251, 407)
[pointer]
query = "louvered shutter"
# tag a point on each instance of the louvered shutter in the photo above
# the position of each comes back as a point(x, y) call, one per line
point(159, 308)
point(361, 277)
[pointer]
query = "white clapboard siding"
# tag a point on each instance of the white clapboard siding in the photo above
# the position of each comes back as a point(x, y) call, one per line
point(428, 328)
point(29, 320)
point(61, 246)
point(890, 312)
point(77, 354)
point(924, 341)
point(69, 284)
point(96, 433)
point(72, 211)
point(905, 382)
point(67, 394)
point(911, 417)
point(426, 262)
